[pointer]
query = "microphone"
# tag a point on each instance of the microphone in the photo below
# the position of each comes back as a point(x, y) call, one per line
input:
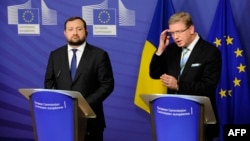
point(53, 86)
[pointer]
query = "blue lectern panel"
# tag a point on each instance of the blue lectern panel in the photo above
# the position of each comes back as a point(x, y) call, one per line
point(176, 119)
point(54, 116)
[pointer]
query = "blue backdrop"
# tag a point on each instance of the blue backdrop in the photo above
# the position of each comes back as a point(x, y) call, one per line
point(24, 53)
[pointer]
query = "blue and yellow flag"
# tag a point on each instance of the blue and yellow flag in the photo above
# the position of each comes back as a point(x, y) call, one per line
point(233, 97)
point(146, 85)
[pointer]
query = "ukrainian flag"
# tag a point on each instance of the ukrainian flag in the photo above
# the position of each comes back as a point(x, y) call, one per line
point(145, 84)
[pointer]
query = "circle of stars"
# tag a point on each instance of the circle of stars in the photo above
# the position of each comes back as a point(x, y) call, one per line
point(104, 16)
point(28, 16)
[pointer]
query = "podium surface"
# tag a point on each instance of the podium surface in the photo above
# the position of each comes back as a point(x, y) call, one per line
point(179, 117)
point(209, 113)
point(82, 103)
point(58, 114)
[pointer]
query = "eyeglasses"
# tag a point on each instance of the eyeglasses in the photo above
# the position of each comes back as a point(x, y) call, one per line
point(178, 32)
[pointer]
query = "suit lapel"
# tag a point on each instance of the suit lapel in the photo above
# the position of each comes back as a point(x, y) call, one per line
point(194, 54)
point(83, 64)
point(65, 64)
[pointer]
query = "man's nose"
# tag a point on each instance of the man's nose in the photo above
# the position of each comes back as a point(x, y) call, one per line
point(75, 31)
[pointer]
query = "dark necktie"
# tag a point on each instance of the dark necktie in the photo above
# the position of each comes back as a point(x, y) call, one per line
point(73, 64)
point(184, 58)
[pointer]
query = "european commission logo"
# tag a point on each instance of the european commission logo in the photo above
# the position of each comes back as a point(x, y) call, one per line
point(105, 20)
point(28, 21)
point(101, 17)
point(28, 16)
point(104, 16)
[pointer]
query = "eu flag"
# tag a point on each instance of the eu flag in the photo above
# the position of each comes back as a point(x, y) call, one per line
point(28, 16)
point(104, 16)
point(145, 84)
point(233, 97)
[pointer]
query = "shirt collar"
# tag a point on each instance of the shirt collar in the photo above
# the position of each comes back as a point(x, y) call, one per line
point(79, 48)
point(193, 43)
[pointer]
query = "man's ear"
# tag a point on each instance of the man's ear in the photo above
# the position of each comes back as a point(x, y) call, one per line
point(192, 29)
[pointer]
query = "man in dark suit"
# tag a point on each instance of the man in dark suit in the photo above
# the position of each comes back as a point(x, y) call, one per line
point(190, 65)
point(93, 77)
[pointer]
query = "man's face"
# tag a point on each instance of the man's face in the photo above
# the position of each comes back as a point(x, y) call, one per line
point(75, 32)
point(181, 34)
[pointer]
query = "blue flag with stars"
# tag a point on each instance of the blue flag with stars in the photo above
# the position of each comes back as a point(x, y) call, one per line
point(104, 16)
point(28, 16)
point(233, 97)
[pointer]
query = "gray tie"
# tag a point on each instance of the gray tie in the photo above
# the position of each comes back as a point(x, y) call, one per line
point(184, 58)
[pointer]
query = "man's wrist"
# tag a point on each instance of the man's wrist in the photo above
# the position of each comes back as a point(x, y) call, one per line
point(158, 52)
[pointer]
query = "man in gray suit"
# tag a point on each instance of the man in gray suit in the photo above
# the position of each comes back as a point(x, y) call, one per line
point(190, 65)
point(90, 73)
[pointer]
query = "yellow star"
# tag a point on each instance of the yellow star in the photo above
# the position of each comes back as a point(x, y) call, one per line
point(229, 40)
point(222, 93)
point(217, 42)
point(238, 52)
point(236, 82)
point(230, 92)
point(241, 68)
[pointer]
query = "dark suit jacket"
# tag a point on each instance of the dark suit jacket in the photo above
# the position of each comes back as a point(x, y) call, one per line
point(200, 75)
point(94, 78)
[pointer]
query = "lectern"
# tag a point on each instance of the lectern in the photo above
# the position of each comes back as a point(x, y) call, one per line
point(179, 117)
point(58, 115)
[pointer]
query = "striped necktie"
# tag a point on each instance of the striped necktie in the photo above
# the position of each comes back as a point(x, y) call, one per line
point(184, 58)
